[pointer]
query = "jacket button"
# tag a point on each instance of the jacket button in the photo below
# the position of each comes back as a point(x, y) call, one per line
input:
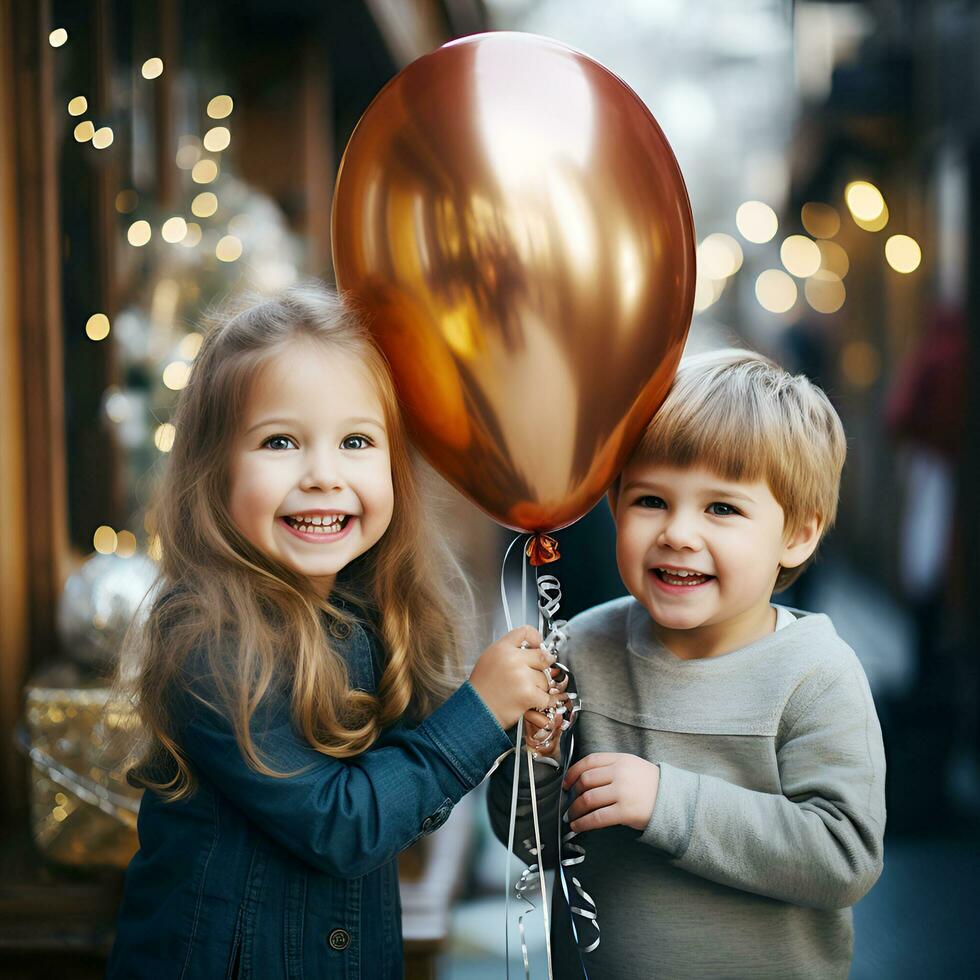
point(339, 939)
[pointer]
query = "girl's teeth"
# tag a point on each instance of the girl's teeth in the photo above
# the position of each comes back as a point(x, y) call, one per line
point(316, 525)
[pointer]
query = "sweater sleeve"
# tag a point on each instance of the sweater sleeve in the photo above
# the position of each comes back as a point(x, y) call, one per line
point(344, 816)
point(818, 843)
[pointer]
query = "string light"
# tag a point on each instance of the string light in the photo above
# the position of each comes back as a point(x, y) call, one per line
point(139, 233)
point(102, 138)
point(105, 540)
point(57, 37)
point(84, 131)
point(77, 105)
point(152, 68)
point(204, 172)
point(820, 220)
point(756, 221)
point(163, 437)
point(903, 253)
point(173, 230)
point(217, 139)
point(800, 255)
point(775, 291)
point(220, 106)
point(97, 326)
point(228, 249)
point(204, 205)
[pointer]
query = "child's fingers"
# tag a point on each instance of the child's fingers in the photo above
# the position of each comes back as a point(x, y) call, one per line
point(607, 816)
point(525, 636)
point(537, 719)
point(593, 799)
point(594, 761)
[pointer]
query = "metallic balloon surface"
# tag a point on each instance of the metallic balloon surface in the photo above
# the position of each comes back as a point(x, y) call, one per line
point(512, 219)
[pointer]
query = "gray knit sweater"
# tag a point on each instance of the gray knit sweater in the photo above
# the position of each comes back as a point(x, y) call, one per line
point(769, 817)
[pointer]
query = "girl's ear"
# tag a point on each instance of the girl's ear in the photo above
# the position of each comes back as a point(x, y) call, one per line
point(803, 543)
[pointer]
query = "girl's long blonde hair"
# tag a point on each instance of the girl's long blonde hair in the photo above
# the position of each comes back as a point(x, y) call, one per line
point(255, 619)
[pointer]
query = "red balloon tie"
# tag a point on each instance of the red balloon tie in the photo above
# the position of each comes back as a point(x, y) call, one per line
point(542, 549)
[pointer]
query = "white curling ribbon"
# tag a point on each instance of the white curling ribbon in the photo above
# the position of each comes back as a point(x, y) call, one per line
point(570, 854)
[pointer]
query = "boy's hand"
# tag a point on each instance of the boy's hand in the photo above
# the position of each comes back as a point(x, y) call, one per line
point(613, 788)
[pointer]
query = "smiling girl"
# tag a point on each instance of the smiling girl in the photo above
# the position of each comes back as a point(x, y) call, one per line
point(296, 671)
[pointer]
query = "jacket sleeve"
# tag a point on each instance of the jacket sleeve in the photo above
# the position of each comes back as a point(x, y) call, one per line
point(819, 842)
point(345, 816)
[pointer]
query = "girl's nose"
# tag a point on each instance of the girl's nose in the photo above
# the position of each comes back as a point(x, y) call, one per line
point(322, 473)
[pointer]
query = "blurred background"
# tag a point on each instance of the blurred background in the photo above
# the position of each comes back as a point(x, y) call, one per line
point(156, 156)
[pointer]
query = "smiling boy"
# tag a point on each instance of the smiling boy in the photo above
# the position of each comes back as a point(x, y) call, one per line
point(728, 775)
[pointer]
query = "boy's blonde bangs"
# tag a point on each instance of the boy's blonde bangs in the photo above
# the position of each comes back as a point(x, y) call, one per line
point(739, 414)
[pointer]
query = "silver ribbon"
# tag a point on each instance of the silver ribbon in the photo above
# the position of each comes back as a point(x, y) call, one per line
point(532, 878)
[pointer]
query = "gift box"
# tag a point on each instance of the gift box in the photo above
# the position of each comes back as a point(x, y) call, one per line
point(83, 812)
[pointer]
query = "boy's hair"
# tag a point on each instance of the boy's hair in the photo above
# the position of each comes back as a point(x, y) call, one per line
point(741, 415)
point(253, 615)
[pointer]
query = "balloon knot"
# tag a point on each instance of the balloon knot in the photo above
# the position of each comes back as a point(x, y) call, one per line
point(542, 549)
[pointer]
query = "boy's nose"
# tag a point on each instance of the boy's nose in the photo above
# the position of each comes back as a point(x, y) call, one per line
point(679, 532)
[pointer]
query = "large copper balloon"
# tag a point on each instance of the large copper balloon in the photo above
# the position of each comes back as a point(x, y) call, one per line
point(512, 219)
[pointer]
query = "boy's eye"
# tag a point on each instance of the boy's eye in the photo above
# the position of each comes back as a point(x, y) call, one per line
point(649, 501)
point(276, 442)
point(726, 510)
point(356, 442)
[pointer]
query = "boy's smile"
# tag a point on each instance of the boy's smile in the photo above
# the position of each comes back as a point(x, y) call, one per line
point(702, 554)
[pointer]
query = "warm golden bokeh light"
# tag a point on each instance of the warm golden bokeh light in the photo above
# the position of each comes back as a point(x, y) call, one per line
point(820, 220)
point(220, 106)
point(706, 292)
point(204, 172)
point(84, 131)
point(174, 229)
point(139, 233)
point(719, 256)
point(155, 549)
point(864, 200)
point(97, 327)
point(176, 375)
point(193, 236)
point(824, 292)
point(204, 205)
point(800, 255)
point(125, 544)
point(228, 249)
point(217, 139)
point(126, 201)
point(163, 437)
point(57, 37)
point(189, 152)
point(190, 344)
point(873, 224)
point(903, 253)
point(756, 222)
point(833, 259)
point(102, 138)
point(775, 291)
point(860, 363)
point(77, 105)
point(104, 540)
point(152, 68)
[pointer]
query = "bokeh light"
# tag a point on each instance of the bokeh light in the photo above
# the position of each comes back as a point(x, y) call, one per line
point(125, 544)
point(174, 229)
point(860, 363)
point(176, 375)
point(903, 253)
point(217, 139)
point(756, 222)
point(104, 540)
point(220, 106)
point(820, 220)
point(190, 345)
point(833, 258)
point(152, 68)
point(84, 131)
point(800, 256)
point(825, 292)
point(77, 105)
point(126, 201)
point(97, 327)
point(719, 256)
point(139, 233)
point(102, 138)
point(204, 205)
point(204, 171)
point(57, 37)
point(163, 437)
point(775, 291)
point(193, 236)
point(863, 200)
point(228, 249)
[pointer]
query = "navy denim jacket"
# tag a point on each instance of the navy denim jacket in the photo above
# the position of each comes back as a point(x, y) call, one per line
point(263, 877)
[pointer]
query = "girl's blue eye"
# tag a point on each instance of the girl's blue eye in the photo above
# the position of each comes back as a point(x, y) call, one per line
point(727, 511)
point(355, 442)
point(650, 501)
point(272, 442)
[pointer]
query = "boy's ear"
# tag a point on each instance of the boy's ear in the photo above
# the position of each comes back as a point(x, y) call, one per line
point(612, 498)
point(803, 543)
